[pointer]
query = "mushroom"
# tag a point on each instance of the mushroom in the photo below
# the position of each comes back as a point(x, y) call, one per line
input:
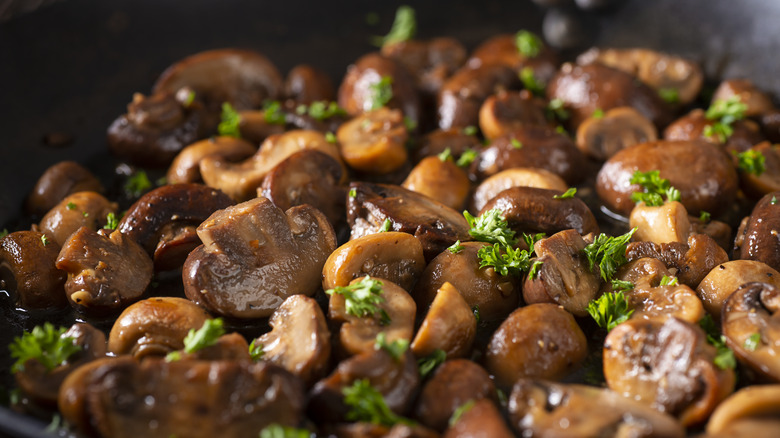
point(507, 111)
point(437, 141)
point(364, 429)
point(57, 182)
point(157, 127)
point(391, 255)
point(453, 384)
point(727, 277)
point(493, 295)
point(564, 277)
point(463, 93)
point(752, 329)
point(185, 168)
point(155, 327)
point(106, 272)
point(82, 209)
point(306, 84)
point(241, 180)
point(539, 340)
point(436, 225)
point(431, 62)
point(120, 397)
point(394, 317)
point(660, 224)
point(256, 125)
point(693, 126)
point(450, 325)
point(668, 365)
point(767, 181)
point(651, 300)
point(374, 141)
point(531, 210)
point(441, 180)
point(28, 272)
point(539, 408)
point(503, 50)
point(752, 411)
point(254, 255)
point(515, 177)
point(482, 418)
point(163, 221)
point(531, 146)
point(701, 171)
point(756, 101)
point(759, 238)
point(603, 136)
point(299, 340)
point(228, 347)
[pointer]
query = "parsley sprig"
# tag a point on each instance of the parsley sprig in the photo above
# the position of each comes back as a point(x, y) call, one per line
point(490, 227)
point(111, 221)
point(367, 405)
point(197, 340)
point(321, 110)
point(363, 298)
point(528, 44)
point(46, 344)
point(256, 350)
point(137, 184)
point(427, 364)
point(569, 193)
point(466, 158)
point(751, 161)
point(655, 189)
point(507, 260)
point(610, 309)
point(530, 83)
point(462, 409)
point(273, 114)
point(723, 113)
point(381, 92)
point(403, 29)
point(608, 253)
point(228, 126)
point(724, 359)
point(396, 349)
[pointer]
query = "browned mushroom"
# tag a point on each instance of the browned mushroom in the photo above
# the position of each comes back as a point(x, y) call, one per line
point(759, 238)
point(228, 347)
point(163, 221)
point(701, 171)
point(539, 408)
point(450, 325)
point(306, 84)
point(82, 209)
point(441, 180)
point(106, 272)
point(603, 136)
point(185, 168)
point(254, 255)
point(371, 430)
point(437, 141)
point(693, 126)
point(300, 339)
point(757, 102)
point(28, 272)
point(649, 299)
point(508, 111)
point(120, 397)
point(638, 354)
point(503, 49)
point(515, 177)
point(155, 326)
point(431, 62)
point(256, 125)
point(660, 224)
point(727, 277)
point(374, 141)
point(753, 411)
point(463, 93)
point(539, 340)
point(482, 418)
point(768, 180)
point(57, 182)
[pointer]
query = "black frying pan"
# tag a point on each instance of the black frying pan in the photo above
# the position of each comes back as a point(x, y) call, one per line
point(70, 68)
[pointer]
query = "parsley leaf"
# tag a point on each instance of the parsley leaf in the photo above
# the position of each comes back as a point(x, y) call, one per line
point(475, 311)
point(330, 137)
point(530, 82)
point(569, 193)
point(598, 113)
point(323, 110)
point(470, 130)
point(668, 281)
point(111, 221)
point(352, 192)
point(228, 126)
point(510, 261)
point(273, 114)
point(44, 240)
point(705, 216)
point(528, 44)
point(197, 340)
point(517, 144)
point(445, 155)
point(490, 227)
point(610, 309)
point(137, 184)
point(278, 431)
point(46, 344)
point(752, 342)
point(466, 158)
point(462, 409)
point(256, 351)
point(3, 233)
point(670, 95)
point(608, 252)
point(403, 29)
point(773, 201)
point(70, 205)
point(751, 161)
point(396, 348)
point(456, 247)
point(555, 110)
point(655, 188)
point(387, 225)
point(367, 405)
point(724, 358)
point(363, 298)
point(427, 364)
point(531, 239)
point(620, 285)
point(723, 113)
point(381, 92)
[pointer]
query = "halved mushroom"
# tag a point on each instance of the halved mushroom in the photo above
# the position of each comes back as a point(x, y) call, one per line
point(254, 255)
point(667, 364)
point(760, 236)
point(374, 141)
point(436, 225)
point(651, 300)
point(300, 340)
point(693, 126)
point(82, 209)
point(539, 340)
point(28, 272)
point(660, 224)
point(306, 84)
point(441, 180)
point(120, 397)
point(106, 272)
point(482, 418)
point(564, 277)
point(155, 326)
point(185, 168)
point(757, 101)
point(437, 141)
point(463, 93)
point(515, 177)
point(163, 221)
point(394, 317)
point(603, 136)
point(241, 180)
point(751, 326)
point(768, 180)
point(391, 255)
point(727, 277)
point(57, 182)
point(539, 408)
point(255, 125)
point(753, 411)
point(449, 325)
point(507, 111)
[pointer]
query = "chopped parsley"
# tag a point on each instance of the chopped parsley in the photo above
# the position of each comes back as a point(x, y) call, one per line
point(531, 239)
point(396, 349)
point(456, 247)
point(330, 137)
point(517, 144)
point(256, 351)
point(387, 225)
point(555, 110)
point(410, 124)
point(466, 158)
point(507, 260)
point(189, 99)
point(610, 309)
point(366, 404)
point(363, 298)
point(621, 285)
point(470, 130)
point(724, 358)
point(322, 110)
point(723, 113)
point(462, 409)
point(752, 342)
point(668, 281)
point(352, 192)
point(196, 340)
point(111, 221)
point(655, 189)
point(427, 364)
point(70, 205)
point(773, 201)
point(273, 114)
point(705, 216)
point(528, 44)
point(278, 431)
point(403, 29)
point(475, 311)
point(137, 184)
point(44, 240)
point(608, 253)
point(228, 126)
point(381, 92)
point(490, 227)
point(46, 344)
point(445, 155)
point(569, 193)
point(3, 233)
point(598, 113)
point(530, 82)
point(669, 95)
point(751, 161)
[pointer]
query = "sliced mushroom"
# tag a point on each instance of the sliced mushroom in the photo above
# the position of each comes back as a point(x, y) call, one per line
point(392, 255)
point(120, 397)
point(306, 84)
point(57, 182)
point(441, 180)
point(507, 111)
point(539, 408)
point(493, 295)
point(463, 93)
point(602, 137)
point(564, 277)
point(163, 221)
point(639, 354)
point(757, 101)
point(185, 168)
point(241, 180)
point(769, 180)
point(436, 225)
point(752, 411)
point(300, 339)
point(28, 272)
point(515, 177)
point(254, 255)
point(394, 317)
point(702, 172)
point(82, 209)
point(374, 141)
point(693, 126)
point(106, 272)
point(155, 326)
point(727, 277)
point(750, 313)
point(454, 139)
point(660, 224)
point(480, 419)
point(539, 340)
point(449, 325)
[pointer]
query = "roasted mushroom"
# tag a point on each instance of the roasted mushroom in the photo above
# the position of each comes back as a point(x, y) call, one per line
point(753, 411)
point(463, 93)
point(457, 140)
point(727, 277)
point(28, 272)
point(481, 418)
point(660, 224)
point(441, 180)
point(450, 326)
point(604, 135)
point(185, 168)
point(508, 111)
point(431, 62)
point(759, 234)
point(306, 84)
point(694, 126)
point(82, 209)
point(57, 182)
point(515, 177)
point(758, 183)
point(374, 141)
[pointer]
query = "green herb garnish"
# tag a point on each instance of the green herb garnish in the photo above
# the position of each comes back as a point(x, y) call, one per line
point(427, 364)
point(381, 92)
point(517, 144)
point(256, 351)
point(410, 124)
point(751, 161)
point(470, 130)
point(46, 344)
point(396, 348)
point(475, 311)
point(723, 113)
point(507, 260)
point(228, 126)
point(197, 340)
point(705, 216)
point(111, 221)
point(724, 358)
point(387, 225)
point(555, 110)
point(322, 110)
point(608, 252)
point(462, 409)
point(3, 233)
point(655, 188)
point(670, 95)
point(273, 114)
point(137, 184)
point(445, 155)
point(352, 192)
point(44, 240)
point(530, 82)
point(569, 193)
point(668, 281)
point(456, 247)
point(752, 342)
point(773, 201)
point(531, 239)
point(598, 113)
point(330, 137)
point(466, 158)
point(363, 298)
point(610, 309)
point(528, 44)
point(70, 205)
point(490, 227)
point(403, 29)
point(279, 431)
point(366, 404)
point(621, 285)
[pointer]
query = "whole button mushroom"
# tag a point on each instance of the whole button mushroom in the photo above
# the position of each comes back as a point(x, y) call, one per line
point(539, 340)
point(515, 177)
point(702, 172)
point(431, 62)
point(457, 140)
point(374, 141)
point(660, 224)
point(106, 272)
point(57, 182)
point(507, 111)
point(693, 126)
point(767, 181)
point(668, 365)
point(306, 84)
point(185, 168)
point(462, 95)
point(602, 137)
point(450, 326)
point(482, 418)
point(155, 327)
point(727, 277)
point(441, 180)
point(753, 411)
point(82, 209)
point(28, 271)
point(503, 50)
point(756, 101)
point(760, 241)
point(254, 255)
